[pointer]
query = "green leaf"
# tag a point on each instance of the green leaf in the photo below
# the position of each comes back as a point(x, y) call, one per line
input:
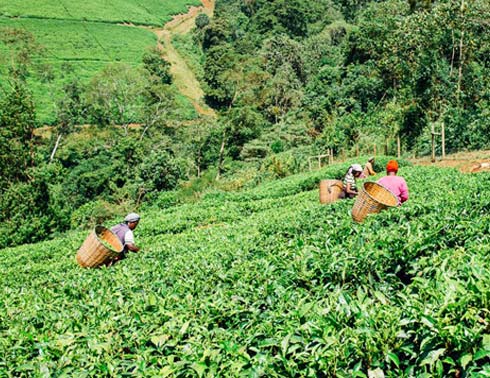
point(159, 340)
point(183, 330)
point(393, 358)
point(165, 372)
point(428, 321)
point(466, 359)
point(481, 354)
point(381, 297)
point(200, 368)
point(432, 357)
point(486, 342)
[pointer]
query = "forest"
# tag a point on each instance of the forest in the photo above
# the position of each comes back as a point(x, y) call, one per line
point(286, 80)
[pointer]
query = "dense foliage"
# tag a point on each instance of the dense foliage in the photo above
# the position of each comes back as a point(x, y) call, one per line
point(265, 282)
point(287, 79)
point(352, 73)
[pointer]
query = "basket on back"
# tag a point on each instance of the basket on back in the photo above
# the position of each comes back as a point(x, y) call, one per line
point(372, 198)
point(100, 248)
point(330, 190)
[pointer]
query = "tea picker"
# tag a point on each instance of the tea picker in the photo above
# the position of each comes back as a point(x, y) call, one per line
point(124, 231)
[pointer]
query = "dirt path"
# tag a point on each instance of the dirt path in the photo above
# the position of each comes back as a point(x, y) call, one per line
point(466, 162)
point(184, 78)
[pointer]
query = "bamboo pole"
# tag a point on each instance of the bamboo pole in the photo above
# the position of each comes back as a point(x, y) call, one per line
point(443, 142)
point(433, 139)
point(398, 146)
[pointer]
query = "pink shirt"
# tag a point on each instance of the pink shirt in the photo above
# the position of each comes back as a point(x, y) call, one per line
point(397, 185)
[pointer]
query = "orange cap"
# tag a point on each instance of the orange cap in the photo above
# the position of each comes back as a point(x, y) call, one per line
point(392, 166)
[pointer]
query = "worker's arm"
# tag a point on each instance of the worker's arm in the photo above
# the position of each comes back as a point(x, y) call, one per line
point(403, 192)
point(349, 190)
point(132, 247)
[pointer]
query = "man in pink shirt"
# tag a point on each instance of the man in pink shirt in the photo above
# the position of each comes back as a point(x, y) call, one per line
point(395, 184)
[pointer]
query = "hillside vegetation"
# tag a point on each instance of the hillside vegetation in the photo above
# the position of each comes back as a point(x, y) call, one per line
point(75, 41)
point(265, 282)
point(285, 81)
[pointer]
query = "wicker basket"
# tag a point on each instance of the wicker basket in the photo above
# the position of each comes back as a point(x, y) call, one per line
point(371, 199)
point(95, 249)
point(330, 190)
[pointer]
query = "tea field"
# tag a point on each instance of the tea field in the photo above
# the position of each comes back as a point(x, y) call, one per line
point(265, 282)
point(146, 12)
point(79, 39)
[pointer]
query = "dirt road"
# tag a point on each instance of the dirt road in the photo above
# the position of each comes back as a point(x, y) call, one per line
point(184, 78)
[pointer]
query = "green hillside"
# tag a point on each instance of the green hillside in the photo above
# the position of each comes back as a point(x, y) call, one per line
point(265, 282)
point(79, 39)
point(146, 12)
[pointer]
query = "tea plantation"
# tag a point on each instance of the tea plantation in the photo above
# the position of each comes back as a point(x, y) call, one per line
point(80, 38)
point(265, 282)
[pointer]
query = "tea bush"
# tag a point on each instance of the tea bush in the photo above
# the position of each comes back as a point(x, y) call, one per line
point(265, 282)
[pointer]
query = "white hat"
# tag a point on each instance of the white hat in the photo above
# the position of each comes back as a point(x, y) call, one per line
point(132, 217)
point(356, 167)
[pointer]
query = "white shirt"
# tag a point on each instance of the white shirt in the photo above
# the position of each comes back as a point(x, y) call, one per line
point(129, 237)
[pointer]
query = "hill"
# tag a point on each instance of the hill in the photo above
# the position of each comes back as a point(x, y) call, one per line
point(79, 39)
point(265, 282)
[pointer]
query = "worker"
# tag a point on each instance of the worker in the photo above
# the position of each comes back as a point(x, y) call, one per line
point(368, 168)
point(349, 183)
point(124, 231)
point(395, 184)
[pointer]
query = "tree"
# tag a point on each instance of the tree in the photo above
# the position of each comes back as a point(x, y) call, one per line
point(70, 111)
point(114, 95)
point(199, 143)
point(159, 103)
point(157, 66)
point(17, 124)
point(202, 20)
point(21, 48)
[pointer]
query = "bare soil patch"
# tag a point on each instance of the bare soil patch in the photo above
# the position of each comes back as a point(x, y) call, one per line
point(466, 162)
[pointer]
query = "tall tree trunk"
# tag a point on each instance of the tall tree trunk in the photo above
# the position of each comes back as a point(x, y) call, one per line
point(443, 140)
point(56, 145)
point(461, 56)
point(461, 61)
point(398, 146)
point(452, 55)
point(221, 154)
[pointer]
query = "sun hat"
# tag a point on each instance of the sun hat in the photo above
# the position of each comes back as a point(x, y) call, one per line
point(132, 217)
point(392, 166)
point(356, 167)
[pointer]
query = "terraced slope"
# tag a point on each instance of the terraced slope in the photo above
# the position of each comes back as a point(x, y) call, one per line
point(81, 38)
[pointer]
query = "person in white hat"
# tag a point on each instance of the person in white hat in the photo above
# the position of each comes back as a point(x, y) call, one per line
point(349, 183)
point(124, 231)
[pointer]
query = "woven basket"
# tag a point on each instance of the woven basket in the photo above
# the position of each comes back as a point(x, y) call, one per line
point(330, 190)
point(95, 249)
point(371, 199)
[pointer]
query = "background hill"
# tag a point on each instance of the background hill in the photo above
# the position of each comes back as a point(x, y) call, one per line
point(265, 282)
point(77, 40)
point(251, 93)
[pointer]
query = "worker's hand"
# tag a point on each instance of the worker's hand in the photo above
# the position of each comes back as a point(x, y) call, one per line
point(132, 247)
